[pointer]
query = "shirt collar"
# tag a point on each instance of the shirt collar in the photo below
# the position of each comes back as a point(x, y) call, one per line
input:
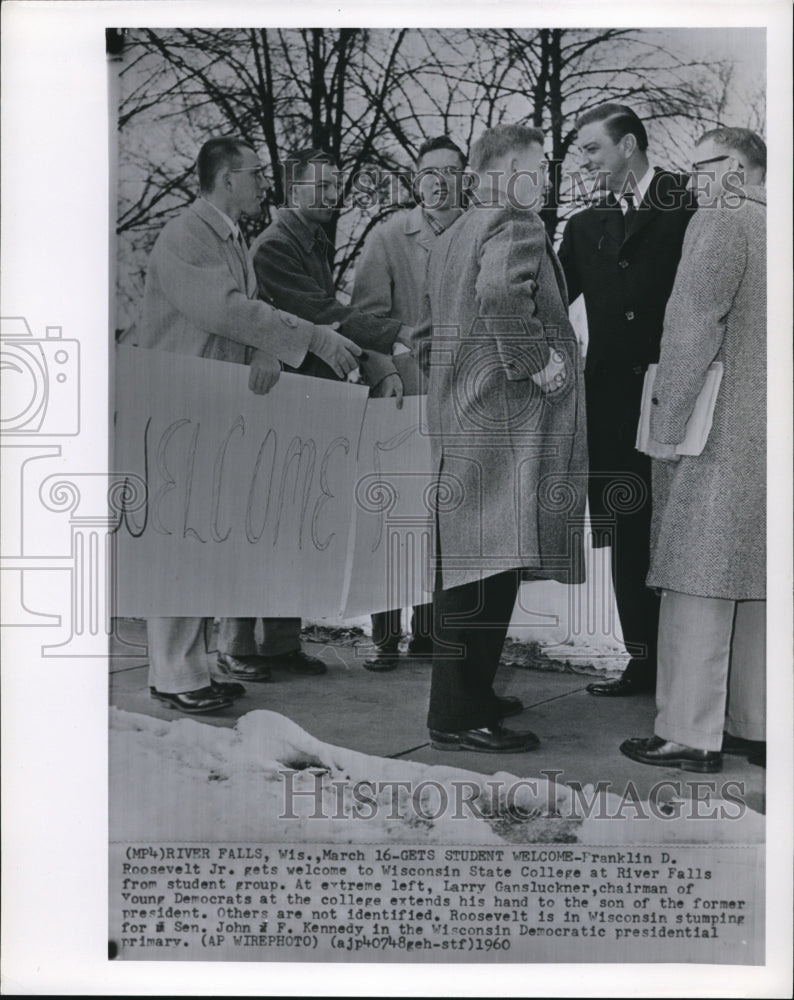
point(641, 187)
point(234, 229)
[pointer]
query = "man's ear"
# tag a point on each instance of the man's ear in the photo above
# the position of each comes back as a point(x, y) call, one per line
point(628, 143)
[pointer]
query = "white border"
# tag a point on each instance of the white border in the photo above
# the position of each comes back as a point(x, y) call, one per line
point(54, 263)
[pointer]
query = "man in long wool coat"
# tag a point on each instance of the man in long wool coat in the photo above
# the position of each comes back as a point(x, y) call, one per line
point(505, 413)
point(708, 552)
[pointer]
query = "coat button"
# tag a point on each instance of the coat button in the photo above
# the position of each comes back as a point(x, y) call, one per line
point(637, 370)
point(655, 400)
point(623, 263)
point(629, 315)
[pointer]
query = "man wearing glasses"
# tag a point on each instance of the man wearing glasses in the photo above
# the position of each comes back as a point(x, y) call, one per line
point(201, 299)
point(390, 277)
point(709, 510)
point(621, 254)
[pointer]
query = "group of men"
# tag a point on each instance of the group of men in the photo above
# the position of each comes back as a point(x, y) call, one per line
point(463, 299)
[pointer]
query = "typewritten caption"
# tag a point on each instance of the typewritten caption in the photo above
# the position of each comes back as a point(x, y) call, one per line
point(278, 902)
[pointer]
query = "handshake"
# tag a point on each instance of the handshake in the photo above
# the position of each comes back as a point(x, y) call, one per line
point(339, 353)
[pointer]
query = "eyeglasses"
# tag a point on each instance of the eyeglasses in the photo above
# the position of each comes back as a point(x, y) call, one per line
point(258, 171)
point(703, 163)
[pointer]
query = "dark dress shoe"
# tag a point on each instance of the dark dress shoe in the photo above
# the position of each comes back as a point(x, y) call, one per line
point(382, 661)
point(227, 689)
point(298, 662)
point(737, 746)
point(509, 705)
point(620, 688)
point(422, 650)
point(758, 757)
point(488, 739)
point(665, 753)
point(193, 702)
point(244, 668)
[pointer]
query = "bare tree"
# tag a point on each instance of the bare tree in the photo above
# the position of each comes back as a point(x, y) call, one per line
point(370, 97)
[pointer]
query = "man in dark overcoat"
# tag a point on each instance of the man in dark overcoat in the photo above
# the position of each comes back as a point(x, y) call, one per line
point(505, 413)
point(621, 253)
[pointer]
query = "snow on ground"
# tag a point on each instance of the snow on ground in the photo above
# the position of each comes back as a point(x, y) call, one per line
point(188, 781)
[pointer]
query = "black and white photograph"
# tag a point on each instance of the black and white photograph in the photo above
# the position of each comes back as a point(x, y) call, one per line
point(436, 539)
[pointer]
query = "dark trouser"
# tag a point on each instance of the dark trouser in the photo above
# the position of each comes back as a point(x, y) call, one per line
point(238, 636)
point(619, 475)
point(387, 625)
point(638, 605)
point(473, 617)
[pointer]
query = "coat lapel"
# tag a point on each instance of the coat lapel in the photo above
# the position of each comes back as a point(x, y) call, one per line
point(648, 207)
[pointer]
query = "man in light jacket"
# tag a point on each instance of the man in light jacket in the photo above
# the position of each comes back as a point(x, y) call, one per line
point(390, 279)
point(201, 299)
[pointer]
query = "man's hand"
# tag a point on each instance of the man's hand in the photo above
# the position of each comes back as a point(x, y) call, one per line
point(552, 377)
point(264, 373)
point(391, 385)
point(336, 351)
point(662, 452)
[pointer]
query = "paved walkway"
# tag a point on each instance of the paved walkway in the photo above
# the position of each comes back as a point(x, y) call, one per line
point(384, 715)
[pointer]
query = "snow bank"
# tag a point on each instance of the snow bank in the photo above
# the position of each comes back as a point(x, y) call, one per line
point(189, 781)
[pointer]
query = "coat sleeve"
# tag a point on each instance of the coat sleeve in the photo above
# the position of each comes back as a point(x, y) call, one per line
point(374, 281)
point(283, 275)
point(567, 258)
point(713, 261)
point(510, 258)
point(199, 284)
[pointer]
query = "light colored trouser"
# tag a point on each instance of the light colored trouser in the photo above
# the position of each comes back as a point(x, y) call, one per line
point(711, 651)
point(177, 654)
point(238, 636)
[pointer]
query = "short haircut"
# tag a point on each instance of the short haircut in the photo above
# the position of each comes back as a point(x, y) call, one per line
point(216, 154)
point(296, 164)
point(741, 140)
point(440, 142)
point(500, 140)
point(619, 120)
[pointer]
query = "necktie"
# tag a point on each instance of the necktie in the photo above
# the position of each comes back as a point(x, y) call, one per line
point(242, 251)
point(631, 211)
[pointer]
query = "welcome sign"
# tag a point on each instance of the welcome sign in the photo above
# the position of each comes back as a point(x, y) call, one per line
point(308, 501)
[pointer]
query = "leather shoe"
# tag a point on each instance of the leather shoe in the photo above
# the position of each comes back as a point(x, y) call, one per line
point(298, 662)
point(488, 739)
point(509, 705)
point(753, 750)
point(758, 757)
point(665, 753)
point(245, 668)
point(738, 746)
point(227, 689)
point(620, 688)
point(382, 661)
point(193, 702)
